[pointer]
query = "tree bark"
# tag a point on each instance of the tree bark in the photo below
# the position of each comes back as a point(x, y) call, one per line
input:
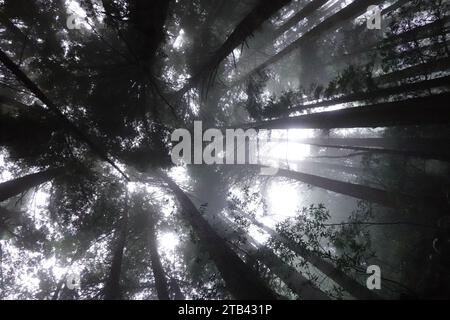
point(382, 197)
point(263, 11)
point(378, 93)
point(349, 284)
point(414, 71)
point(418, 111)
point(388, 199)
point(59, 286)
point(148, 19)
point(420, 148)
point(14, 187)
point(354, 9)
point(112, 286)
point(293, 279)
point(299, 16)
point(311, 165)
point(157, 267)
point(416, 33)
point(251, 60)
point(240, 280)
point(7, 103)
point(176, 290)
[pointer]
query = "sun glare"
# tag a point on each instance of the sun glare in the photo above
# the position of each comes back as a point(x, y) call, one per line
point(168, 241)
point(283, 145)
point(283, 198)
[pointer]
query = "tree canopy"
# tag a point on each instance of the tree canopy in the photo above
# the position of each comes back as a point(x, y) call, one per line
point(353, 120)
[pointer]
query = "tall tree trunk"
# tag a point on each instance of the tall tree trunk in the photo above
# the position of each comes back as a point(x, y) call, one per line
point(395, 56)
point(433, 47)
point(382, 197)
point(59, 286)
point(295, 19)
point(293, 279)
point(421, 148)
point(312, 165)
point(374, 195)
point(418, 33)
point(14, 187)
point(157, 267)
point(415, 34)
point(388, 143)
point(240, 279)
point(349, 284)
point(403, 37)
point(7, 103)
point(354, 9)
point(418, 111)
point(148, 19)
point(263, 11)
point(12, 28)
point(63, 280)
point(112, 286)
point(378, 93)
point(332, 166)
point(435, 65)
point(176, 290)
point(361, 28)
point(345, 156)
